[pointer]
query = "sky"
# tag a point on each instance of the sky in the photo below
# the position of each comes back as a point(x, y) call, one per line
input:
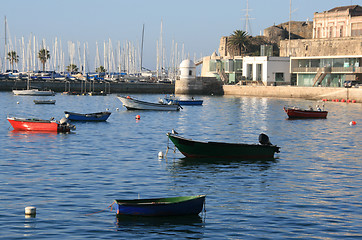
point(195, 25)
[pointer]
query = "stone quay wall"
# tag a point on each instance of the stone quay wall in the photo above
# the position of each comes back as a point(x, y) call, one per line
point(315, 93)
point(122, 87)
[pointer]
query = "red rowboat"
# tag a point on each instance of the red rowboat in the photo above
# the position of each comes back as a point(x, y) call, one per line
point(34, 124)
point(303, 113)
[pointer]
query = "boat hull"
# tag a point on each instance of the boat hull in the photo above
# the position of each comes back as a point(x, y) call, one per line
point(94, 117)
point(161, 207)
point(134, 104)
point(185, 102)
point(44, 101)
point(197, 149)
point(22, 124)
point(300, 113)
point(34, 92)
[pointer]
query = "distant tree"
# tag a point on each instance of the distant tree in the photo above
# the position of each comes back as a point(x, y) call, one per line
point(13, 58)
point(239, 40)
point(101, 69)
point(43, 56)
point(72, 68)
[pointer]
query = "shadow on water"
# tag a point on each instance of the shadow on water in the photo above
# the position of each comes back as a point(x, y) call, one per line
point(191, 225)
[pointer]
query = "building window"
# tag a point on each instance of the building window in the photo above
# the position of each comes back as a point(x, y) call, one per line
point(279, 77)
point(190, 72)
point(341, 31)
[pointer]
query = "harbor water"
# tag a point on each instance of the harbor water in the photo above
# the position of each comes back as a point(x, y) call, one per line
point(312, 190)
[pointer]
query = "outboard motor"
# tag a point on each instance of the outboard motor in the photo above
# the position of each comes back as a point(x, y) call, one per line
point(264, 139)
point(63, 121)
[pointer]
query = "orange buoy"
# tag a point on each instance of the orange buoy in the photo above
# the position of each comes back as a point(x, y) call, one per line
point(128, 97)
point(138, 117)
point(337, 100)
point(352, 123)
point(342, 100)
point(348, 100)
point(353, 101)
point(333, 100)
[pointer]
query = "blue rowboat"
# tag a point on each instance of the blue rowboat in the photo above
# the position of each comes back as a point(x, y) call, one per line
point(157, 207)
point(191, 101)
point(99, 116)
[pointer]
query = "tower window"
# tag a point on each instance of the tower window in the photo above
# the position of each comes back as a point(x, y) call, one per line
point(190, 72)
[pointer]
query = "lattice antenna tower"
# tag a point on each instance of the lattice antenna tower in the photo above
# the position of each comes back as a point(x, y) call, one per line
point(247, 19)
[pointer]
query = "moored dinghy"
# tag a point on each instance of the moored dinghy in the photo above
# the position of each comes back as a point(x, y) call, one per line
point(161, 207)
point(189, 102)
point(134, 104)
point(198, 149)
point(99, 116)
point(295, 112)
point(35, 124)
point(44, 101)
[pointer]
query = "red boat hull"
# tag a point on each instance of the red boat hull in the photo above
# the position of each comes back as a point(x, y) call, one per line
point(21, 124)
point(299, 113)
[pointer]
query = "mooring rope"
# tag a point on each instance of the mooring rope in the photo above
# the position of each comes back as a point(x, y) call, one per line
point(110, 206)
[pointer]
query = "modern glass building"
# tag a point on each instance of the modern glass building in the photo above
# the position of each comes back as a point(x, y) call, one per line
point(326, 71)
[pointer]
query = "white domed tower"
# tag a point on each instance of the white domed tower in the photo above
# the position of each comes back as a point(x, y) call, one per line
point(188, 83)
point(188, 70)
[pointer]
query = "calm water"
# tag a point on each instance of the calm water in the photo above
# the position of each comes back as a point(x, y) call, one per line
point(311, 191)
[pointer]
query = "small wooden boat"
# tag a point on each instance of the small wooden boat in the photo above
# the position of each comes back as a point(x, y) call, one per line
point(157, 207)
point(44, 101)
point(134, 104)
point(99, 116)
point(34, 124)
point(192, 101)
point(198, 149)
point(304, 113)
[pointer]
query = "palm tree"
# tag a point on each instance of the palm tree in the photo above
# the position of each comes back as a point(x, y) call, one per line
point(101, 69)
point(13, 58)
point(239, 40)
point(72, 68)
point(43, 56)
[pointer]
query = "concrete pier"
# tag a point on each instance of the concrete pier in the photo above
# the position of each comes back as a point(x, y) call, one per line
point(317, 93)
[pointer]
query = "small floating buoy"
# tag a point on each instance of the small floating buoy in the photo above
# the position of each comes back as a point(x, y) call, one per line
point(352, 123)
point(337, 100)
point(354, 101)
point(342, 100)
point(107, 109)
point(160, 155)
point(30, 211)
point(17, 102)
point(349, 101)
point(117, 109)
point(138, 117)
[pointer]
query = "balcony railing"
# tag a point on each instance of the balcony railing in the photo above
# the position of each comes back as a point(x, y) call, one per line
point(327, 70)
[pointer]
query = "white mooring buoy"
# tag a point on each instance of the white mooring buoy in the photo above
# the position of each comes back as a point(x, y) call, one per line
point(160, 155)
point(30, 211)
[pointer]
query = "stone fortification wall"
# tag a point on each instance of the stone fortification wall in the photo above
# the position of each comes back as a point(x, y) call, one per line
point(200, 85)
point(317, 93)
point(298, 30)
point(322, 47)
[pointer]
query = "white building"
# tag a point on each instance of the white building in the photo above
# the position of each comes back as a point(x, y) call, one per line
point(268, 70)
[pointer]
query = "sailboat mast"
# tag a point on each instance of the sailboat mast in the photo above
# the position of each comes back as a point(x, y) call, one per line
point(5, 47)
point(143, 34)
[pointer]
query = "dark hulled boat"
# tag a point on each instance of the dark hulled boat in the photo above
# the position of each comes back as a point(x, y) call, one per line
point(198, 149)
point(157, 207)
point(304, 113)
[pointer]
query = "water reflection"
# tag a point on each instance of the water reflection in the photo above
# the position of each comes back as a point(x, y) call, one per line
point(193, 226)
point(32, 135)
point(189, 162)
